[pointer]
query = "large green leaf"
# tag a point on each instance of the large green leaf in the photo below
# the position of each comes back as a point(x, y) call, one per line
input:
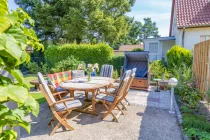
point(10, 49)
point(3, 110)
point(8, 135)
point(18, 34)
point(18, 76)
point(13, 18)
point(18, 113)
point(17, 93)
point(3, 93)
point(33, 104)
point(4, 23)
point(25, 125)
point(3, 7)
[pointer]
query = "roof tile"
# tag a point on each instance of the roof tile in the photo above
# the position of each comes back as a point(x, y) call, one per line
point(193, 13)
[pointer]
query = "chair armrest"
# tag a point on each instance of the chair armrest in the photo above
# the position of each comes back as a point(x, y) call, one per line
point(106, 93)
point(58, 93)
point(64, 100)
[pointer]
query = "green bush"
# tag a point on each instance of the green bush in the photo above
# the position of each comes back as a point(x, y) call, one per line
point(195, 121)
point(178, 55)
point(117, 62)
point(98, 53)
point(115, 74)
point(196, 134)
point(137, 50)
point(158, 68)
point(33, 67)
point(70, 63)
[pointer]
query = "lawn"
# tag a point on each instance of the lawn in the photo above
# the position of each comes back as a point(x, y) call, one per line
point(28, 78)
point(39, 97)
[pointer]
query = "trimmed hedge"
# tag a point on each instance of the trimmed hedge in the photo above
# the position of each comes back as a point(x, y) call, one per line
point(98, 53)
point(178, 55)
point(117, 62)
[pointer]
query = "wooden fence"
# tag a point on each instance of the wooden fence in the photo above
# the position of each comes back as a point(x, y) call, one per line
point(201, 65)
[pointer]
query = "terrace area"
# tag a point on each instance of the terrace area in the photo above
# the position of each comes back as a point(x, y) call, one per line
point(147, 118)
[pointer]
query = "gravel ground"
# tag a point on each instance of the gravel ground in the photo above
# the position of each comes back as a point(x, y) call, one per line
point(144, 123)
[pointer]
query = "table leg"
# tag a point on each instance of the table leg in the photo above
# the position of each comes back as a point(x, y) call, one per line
point(71, 93)
point(86, 95)
point(93, 102)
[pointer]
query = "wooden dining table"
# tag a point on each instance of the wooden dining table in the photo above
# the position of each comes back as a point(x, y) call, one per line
point(82, 84)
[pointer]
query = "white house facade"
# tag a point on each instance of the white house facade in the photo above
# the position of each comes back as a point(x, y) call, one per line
point(190, 24)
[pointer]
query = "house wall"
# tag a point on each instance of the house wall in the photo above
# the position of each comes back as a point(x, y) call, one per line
point(153, 56)
point(192, 36)
point(166, 45)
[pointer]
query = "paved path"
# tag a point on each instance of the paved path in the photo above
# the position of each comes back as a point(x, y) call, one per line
point(150, 98)
point(146, 119)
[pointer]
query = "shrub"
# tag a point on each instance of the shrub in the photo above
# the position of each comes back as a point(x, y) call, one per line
point(115, 74)
point(194, 121)
point(69, 63)
point(178, 55)
point(117, 62)
point(183, 73)
point(196, 134)
point(158, 68)
point(98, 53)
point(33, 67)
point(189, 94)
point(137, 50)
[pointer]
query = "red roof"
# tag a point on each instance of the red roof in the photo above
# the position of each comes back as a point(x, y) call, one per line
point(191, 13)
point(124, 48)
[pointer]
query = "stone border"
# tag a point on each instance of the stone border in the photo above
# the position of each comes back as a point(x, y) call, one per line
point(179, 117)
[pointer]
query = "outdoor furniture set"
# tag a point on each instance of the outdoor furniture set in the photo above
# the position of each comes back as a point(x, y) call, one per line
point(61, 105)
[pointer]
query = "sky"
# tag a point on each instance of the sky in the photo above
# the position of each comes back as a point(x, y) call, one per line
point(158, 10)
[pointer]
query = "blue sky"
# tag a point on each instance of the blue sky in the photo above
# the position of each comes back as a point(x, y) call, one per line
point(158, 10)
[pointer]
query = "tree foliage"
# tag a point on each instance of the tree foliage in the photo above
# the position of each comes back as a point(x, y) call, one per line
point(67, 21)
point(138, 31)
point(14, 39)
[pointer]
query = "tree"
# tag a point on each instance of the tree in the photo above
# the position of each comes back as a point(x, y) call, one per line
point(14, 39)
point(149, 29)
point(138, 32)
point(79, 20)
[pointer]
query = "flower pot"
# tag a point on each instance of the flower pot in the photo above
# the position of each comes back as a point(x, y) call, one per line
point(163, 84)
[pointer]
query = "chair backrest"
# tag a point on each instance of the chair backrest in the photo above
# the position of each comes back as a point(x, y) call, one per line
point(47, 93)
point(56, 78)
point(123, 84)
point(78, 73)
point(139, 60)
point(106, 71)
point(132, 76)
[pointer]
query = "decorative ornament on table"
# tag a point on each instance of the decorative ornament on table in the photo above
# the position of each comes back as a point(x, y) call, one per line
point(90, 69)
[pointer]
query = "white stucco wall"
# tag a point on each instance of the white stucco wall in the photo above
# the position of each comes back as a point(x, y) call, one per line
point(192, 36)
point(166, 45)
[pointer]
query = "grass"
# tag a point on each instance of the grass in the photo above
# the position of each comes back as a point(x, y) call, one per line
point(28, 78)
point(39, 97)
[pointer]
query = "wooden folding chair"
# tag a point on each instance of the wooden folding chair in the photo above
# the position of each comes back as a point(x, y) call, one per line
point(132, 76)
point(113, 100)
point(60, 109)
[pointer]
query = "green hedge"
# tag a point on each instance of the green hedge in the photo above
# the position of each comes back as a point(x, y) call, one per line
point(178, 55)
point(117, 62)
point(98, 53)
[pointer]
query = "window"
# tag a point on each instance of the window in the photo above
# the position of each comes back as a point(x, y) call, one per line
point(153, 47)
point(204, 37)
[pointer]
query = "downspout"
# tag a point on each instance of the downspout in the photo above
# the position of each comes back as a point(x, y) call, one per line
point(183, 36)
